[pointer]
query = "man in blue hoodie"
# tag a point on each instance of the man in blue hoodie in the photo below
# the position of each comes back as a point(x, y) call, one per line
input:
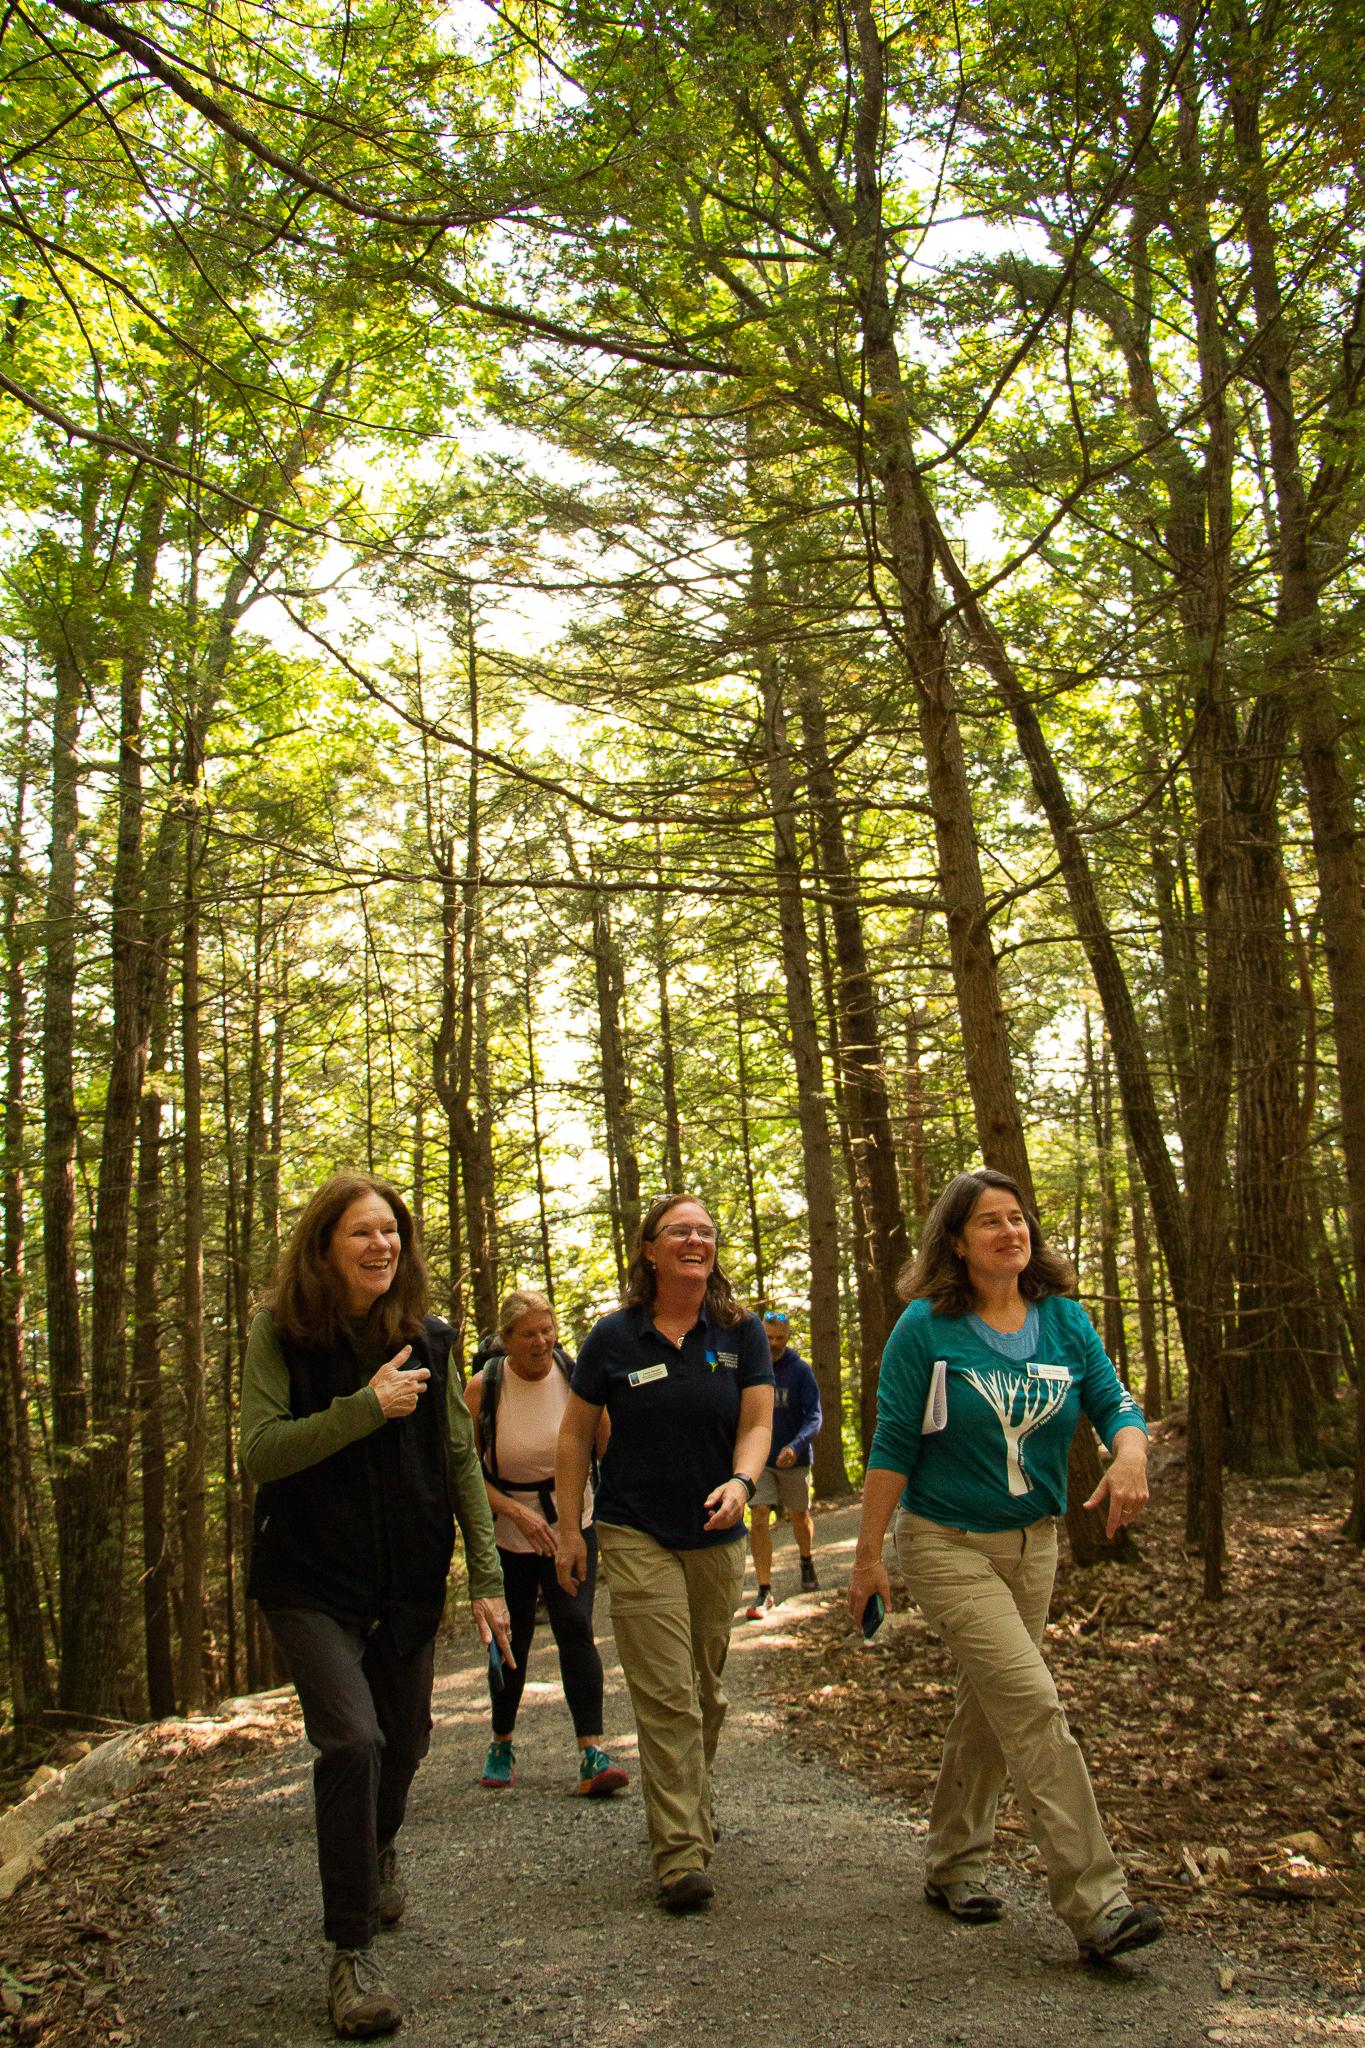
point(785, 1480)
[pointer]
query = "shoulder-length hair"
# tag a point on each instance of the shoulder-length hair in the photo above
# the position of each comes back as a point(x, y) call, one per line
point(937, 1273)
point(722, 1303)
point(304, 1299)
point(524, 1301)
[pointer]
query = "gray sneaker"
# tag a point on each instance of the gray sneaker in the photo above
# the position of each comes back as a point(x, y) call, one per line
point(393, 1892)
point(1119, 1929)
point(359, 1998)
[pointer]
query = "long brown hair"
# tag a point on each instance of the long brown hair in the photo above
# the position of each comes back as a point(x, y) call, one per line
point(304, 1299)
point(642, 1282)
point(937, 1273)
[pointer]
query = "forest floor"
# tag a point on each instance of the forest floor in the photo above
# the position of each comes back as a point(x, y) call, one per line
point(187, 1918)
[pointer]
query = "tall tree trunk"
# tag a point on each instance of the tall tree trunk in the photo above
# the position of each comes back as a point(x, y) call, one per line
point(460, 1046)
point(867, 1284)
point(812, 1104)
point(191, 1478)
point(1144, 1273)
point(1113, 1330)
point(30, 1686)
point(916, 1135)
point(617, 1101)
point(921, 636)
point(65, 1348)
point(673, 1160)
point(158, 1647)
point(760, 1291)
point(1270, 1392)
point(1301, 655)
point(861, 1055)
point(92, 1602)
point(537, 1139)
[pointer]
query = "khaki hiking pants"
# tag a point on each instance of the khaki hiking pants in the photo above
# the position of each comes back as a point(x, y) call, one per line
point(987, 1596)
point(671, 1612)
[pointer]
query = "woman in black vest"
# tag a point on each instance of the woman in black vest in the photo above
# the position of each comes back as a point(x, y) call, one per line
point(354, 1430)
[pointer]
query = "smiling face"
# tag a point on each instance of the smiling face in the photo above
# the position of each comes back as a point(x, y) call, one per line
point(679, 1252)
point(530, 1344)
point(363, 1253)
point(995, 1243)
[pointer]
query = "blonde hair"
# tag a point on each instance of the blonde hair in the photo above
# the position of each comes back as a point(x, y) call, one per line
point(523, 1301)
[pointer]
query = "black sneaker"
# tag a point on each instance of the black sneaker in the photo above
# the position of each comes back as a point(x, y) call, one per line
point(809, 1582)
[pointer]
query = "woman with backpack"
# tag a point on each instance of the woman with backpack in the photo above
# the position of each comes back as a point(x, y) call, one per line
point(518, 1402)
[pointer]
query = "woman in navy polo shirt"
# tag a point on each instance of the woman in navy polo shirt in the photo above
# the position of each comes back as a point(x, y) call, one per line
point(684, 1373)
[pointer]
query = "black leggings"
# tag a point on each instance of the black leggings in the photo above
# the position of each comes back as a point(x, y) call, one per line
point(524, 1575)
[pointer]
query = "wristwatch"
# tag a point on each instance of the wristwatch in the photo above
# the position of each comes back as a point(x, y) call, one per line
point(750, 1485)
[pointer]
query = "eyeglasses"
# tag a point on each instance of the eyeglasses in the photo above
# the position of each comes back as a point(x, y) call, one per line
point(773, 1315)
point(680, 1232)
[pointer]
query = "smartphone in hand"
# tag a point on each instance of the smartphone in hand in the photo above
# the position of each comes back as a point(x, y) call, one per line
point(874, 1614)
point(495, 1664)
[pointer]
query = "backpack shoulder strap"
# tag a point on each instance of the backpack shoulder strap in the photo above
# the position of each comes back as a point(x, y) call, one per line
point(488, 1414)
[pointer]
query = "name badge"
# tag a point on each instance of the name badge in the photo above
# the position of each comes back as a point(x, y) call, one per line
point(646, 1374)
point(1059, 1375)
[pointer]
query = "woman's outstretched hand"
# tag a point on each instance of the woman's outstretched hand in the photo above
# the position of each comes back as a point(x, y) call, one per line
point(398, 1390)
point(1124, 1484)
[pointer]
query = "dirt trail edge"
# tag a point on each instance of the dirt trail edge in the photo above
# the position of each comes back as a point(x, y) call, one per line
point(531, 1921)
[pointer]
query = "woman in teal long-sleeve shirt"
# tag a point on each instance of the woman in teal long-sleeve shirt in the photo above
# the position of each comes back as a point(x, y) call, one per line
point(983, 1382)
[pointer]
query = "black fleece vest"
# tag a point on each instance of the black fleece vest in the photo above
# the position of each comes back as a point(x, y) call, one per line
point(366, 1534)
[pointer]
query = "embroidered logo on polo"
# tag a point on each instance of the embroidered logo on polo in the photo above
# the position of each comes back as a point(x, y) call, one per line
point(728, 1359)
point(646, 1374)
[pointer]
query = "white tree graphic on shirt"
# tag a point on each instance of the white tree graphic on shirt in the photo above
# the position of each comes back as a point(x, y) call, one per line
point(1042, 1399)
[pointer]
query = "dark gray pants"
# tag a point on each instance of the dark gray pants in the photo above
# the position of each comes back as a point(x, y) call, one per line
point(367, 1711)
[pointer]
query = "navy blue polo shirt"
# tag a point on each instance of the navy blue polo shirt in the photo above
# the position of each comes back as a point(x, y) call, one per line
point(674, 1418)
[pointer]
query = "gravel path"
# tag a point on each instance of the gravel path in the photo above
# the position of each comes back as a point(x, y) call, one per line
point(532, 1924)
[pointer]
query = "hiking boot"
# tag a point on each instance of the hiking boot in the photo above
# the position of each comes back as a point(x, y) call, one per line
point(965, 1901)
point(1119, 1929)
point(497, 1766)
point(598, 1776)
point(763, 1600)
point(809, 1582)
point(393, 1892)
point(687, 1893)
point(358, 1998)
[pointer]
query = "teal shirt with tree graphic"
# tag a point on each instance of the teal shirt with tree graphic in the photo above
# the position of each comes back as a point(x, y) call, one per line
point(1000, 1460)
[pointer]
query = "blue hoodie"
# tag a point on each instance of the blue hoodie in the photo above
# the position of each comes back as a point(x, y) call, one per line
point(796, 1412)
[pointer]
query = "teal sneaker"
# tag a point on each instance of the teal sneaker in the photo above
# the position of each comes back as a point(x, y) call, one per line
point(598, 1776)
point(497, 1766)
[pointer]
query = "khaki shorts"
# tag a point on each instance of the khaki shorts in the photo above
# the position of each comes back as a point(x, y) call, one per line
point(786, 1486)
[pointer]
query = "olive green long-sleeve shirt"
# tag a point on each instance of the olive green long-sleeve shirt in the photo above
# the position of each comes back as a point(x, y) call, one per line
point(276, 1443)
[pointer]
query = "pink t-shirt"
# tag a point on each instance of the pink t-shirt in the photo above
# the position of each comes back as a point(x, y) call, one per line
point(529, 1415)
